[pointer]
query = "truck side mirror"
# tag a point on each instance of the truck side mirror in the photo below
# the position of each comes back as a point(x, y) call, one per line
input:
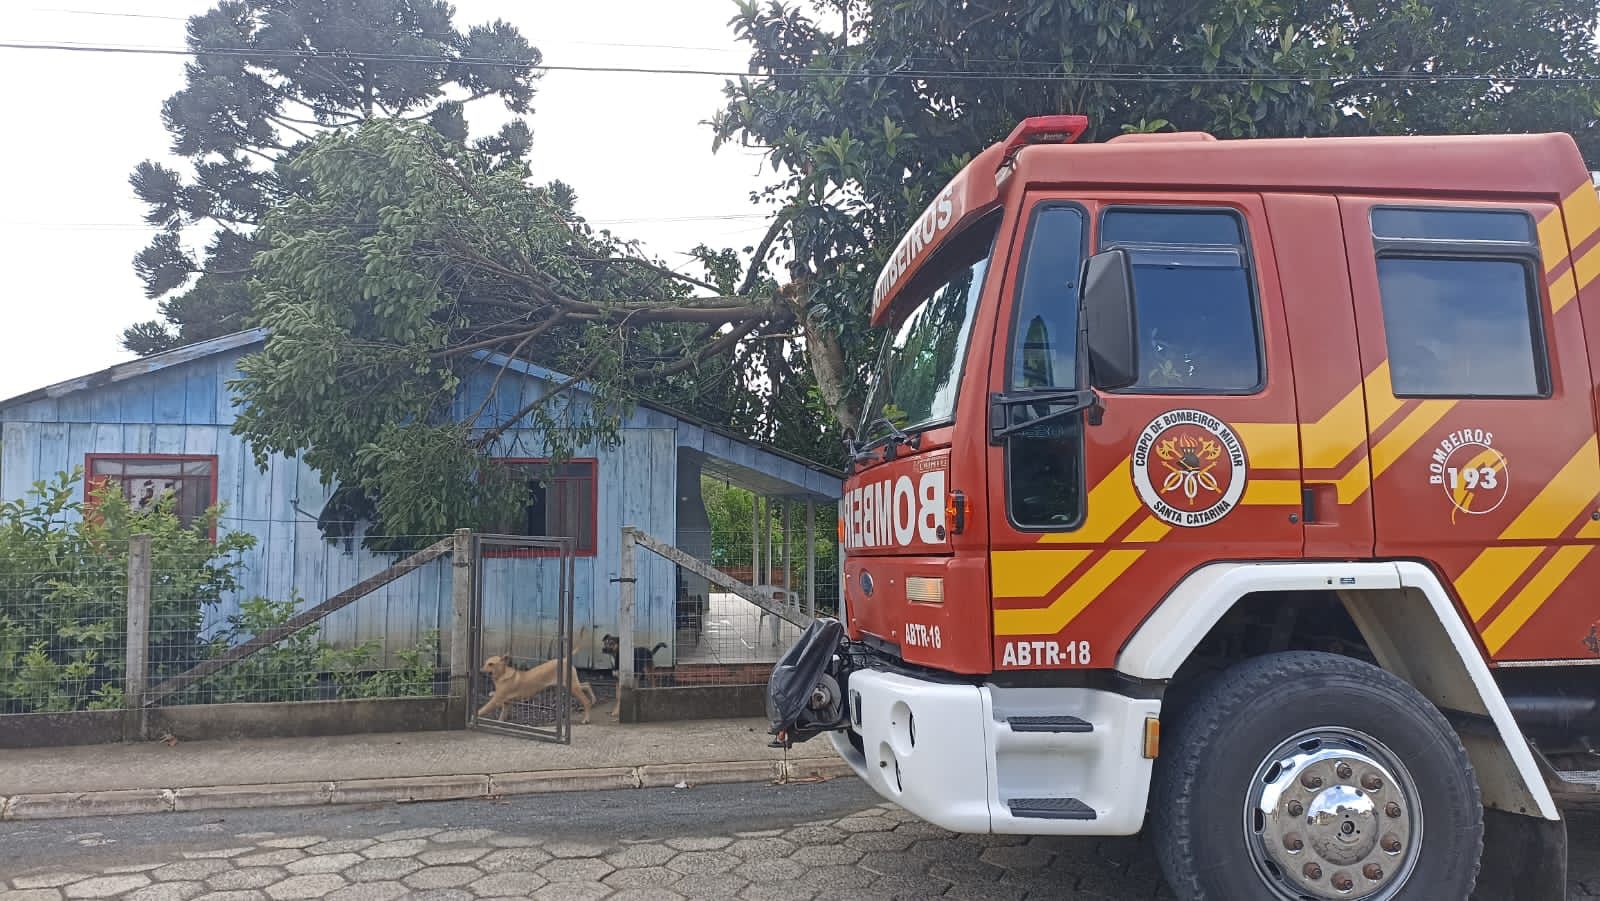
point(1110, 320)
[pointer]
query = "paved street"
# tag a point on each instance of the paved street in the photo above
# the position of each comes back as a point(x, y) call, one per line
point(831, 840)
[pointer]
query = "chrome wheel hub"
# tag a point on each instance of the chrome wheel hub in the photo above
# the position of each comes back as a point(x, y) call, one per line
point(1332, 813)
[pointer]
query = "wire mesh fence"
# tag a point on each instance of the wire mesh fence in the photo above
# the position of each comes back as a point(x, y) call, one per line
point(786, 549)
point(65, 624)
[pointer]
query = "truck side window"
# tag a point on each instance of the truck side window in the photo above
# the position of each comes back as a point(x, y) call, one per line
point(1044, 464)
point(1460, 298)
point(1196, 305)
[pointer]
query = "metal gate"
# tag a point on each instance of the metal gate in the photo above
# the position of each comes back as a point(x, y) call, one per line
point(522, 639)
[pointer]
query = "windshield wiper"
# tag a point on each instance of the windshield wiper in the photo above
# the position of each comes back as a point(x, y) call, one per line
point(1072, 401)
point(896, 437)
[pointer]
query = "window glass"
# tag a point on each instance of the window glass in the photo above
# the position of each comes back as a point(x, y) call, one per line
point(1197, 323)
point(1193, 298)
point(920, 367)
point(146, 480)
point(1044, 463)
point(1461, 327)
point(1126, 226)
point(1453, 225)
point(1045, 336)
point(561, 502)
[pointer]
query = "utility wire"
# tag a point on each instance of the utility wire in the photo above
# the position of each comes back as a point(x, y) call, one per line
point(1151, 74)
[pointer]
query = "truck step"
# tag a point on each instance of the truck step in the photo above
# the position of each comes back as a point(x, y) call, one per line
point(1050, 809)
point(1048, 724)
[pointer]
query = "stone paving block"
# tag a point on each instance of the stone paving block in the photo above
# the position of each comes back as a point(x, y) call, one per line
point(342, 846)
point(444, 894)
point(511, 841)
point(825, 855)
point(650, 855)
point(409, 847)
point(912, 888)
point(864, 823)
point(572, 891)
point(880, 841)
point(1018, 857)
point(702, 863)
point(382, 870)
point(460, 836)
point(278, 858)
point(815, 835)
point(323, 863)
point(646, 894)
point(761, 848)
point(409, 788)
point(190, 870)
point(775, 870)
point(522, 884)
point(511, 859)
point(106, 886)
point(168, 891)
point(721, 885)
point(218, 854)
point(581, 869)
point(576, 849)
point(644, 877)
point(669, 775)
point(699, 843)
point(370, 891)
point(449, 855)
point(132, 868)
point(247, 878)
point(441, 877)
point(840, 878)
point(902, 863)
point(232, 896)
point(49, 879)
point(298, 887)
point(540, 781)
point(30, 894)
point(779, 891)
point(400, 835)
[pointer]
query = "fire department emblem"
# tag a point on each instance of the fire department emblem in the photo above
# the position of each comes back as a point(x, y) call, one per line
point(1189, 468)
point(1473, 474)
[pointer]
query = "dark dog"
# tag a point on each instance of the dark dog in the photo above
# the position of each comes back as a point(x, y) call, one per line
point(644, 663)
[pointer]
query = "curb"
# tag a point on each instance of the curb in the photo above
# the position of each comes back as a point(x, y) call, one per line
point(407, 789)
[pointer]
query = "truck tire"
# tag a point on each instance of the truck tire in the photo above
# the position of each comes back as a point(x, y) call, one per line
point(1305, 776)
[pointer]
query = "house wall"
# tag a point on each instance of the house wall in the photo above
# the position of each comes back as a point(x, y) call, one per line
point(186, 409)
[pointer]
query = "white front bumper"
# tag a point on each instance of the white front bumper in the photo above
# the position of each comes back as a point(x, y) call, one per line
point(946, 753)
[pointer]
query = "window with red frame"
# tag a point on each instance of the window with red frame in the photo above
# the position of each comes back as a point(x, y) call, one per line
point(145, 479)
point(561, 502)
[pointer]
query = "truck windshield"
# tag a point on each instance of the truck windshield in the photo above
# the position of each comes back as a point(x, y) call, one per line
point(914, 385)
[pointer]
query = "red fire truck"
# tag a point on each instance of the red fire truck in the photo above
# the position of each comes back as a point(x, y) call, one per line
point(1240, 492)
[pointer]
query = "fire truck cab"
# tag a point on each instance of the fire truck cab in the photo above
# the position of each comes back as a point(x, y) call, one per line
point(1241, 492)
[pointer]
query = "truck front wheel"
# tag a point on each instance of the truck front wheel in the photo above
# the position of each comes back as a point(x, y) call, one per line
point(1305, 775)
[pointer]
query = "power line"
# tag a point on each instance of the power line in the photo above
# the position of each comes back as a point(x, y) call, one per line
point(905, 73)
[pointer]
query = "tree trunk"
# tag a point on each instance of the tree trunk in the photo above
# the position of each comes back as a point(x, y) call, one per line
point(827, 364)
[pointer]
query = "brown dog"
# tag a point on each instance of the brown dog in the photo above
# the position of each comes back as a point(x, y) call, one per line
point(512, 684)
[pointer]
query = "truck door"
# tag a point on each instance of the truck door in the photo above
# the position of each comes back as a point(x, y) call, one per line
point(1481, 430)
point(1092, 524)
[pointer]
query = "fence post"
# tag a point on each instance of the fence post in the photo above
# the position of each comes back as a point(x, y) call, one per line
point(811, 558)
point(460, 697)
point(626, 579)
point(137, 672)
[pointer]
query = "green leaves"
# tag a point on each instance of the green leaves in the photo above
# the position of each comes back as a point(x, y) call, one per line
point(325, 65)
point(63, 594)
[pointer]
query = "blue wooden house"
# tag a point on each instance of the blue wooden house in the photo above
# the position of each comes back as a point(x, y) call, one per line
point(163, 424)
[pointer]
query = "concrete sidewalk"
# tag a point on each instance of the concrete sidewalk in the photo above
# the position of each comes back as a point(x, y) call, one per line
point(154, 777)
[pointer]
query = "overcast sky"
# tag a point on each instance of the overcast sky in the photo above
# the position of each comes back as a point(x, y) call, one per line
point(632, 145)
